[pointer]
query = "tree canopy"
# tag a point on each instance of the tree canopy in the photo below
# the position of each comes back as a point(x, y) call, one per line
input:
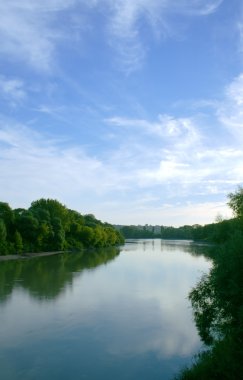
point(236, 202)
point(48, 225)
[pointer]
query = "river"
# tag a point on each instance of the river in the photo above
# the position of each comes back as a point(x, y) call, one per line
point(107, 314)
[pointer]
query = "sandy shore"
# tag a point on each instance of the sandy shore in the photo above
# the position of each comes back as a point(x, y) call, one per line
point(29, 255)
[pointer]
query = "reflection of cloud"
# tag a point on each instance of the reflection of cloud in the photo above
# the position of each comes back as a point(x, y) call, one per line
point(134, 306)
point(157, 329)
point(140, 311)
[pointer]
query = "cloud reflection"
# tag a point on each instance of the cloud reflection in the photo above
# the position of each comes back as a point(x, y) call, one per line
point(133, 307)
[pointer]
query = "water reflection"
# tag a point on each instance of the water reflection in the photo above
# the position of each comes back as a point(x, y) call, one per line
point(187, 246)
point(130, 317)
point(46, 277)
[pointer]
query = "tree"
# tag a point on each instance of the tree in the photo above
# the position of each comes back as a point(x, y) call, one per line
point(49, 225)
point(7, 215)
point(3, 236)
point(45, 235)
point(55, 209)
point(87, 236)
point(90, 220)
point(18, 242)
point(236, 202)
point(59, 234)
point(28, 227)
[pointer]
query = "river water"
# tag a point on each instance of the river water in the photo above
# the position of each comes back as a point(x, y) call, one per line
point(104, 314)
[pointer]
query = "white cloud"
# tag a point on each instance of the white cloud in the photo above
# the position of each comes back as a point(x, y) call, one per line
point(30, 30)
point(167, 127)
point(34, 166)
point(174, 152)
point(163, 160)
point(12, 89)
point(230, 112)
point(27, 30)
point(199, 7)
point(125, 24)
point(45, 167)
point(201, 173)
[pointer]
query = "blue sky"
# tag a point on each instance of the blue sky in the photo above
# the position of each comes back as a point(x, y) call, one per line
point(130, 110)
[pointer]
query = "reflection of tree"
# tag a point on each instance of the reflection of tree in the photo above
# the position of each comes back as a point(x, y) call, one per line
point(196, 249)
point(217, 303)
point(46, 277)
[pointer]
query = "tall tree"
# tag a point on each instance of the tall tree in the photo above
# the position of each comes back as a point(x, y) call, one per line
point(236, 202)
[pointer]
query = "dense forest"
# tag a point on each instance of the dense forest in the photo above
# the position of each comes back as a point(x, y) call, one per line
point(217, 301)
point(47, 225)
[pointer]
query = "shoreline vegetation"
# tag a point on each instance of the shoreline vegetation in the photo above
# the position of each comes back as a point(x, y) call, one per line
point(217, 303)
point(48, 226)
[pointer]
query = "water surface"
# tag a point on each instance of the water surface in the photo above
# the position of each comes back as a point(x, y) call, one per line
point(100, 315)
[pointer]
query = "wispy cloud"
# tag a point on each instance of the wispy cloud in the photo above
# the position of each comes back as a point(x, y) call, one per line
point(42, 166)
point(167, 127)
point(125, 24)
point(169, 159)
point(181, 155)
point(198, 170)
point(34, 165)
point(30, 30)
point(199, 7)
point(230, 112)
point(184, 161)
point(12, 90)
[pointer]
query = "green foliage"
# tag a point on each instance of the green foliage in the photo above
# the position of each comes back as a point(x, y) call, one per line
point(236, 202)
point(87, 236)
point(217, 302)
point(217, 232)
point(222, 362)
point(3, 237)
point(7, 216)
point(3, 231)
point(149, 232)
point(18, 242)
point(49, 226)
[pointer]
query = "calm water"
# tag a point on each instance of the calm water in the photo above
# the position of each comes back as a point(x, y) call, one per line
point(100, 315)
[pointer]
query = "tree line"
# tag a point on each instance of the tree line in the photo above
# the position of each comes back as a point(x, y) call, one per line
point(217, 301)
point(48, 225)
point(217, 232)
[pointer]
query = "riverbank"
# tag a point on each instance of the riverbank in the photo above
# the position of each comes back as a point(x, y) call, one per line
point(29, 255)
